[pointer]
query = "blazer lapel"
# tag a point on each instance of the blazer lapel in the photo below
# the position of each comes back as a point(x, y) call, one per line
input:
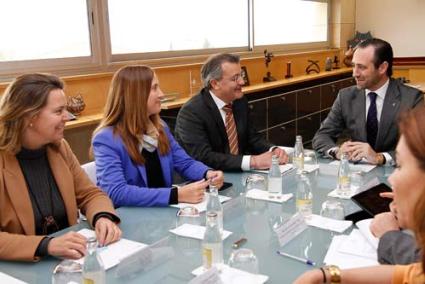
point(216, 116)
point(65, 183)
point(18, 191)
point(389, 111)
point(359, 107)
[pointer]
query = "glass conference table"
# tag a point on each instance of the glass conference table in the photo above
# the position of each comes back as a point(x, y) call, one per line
point(170, 258)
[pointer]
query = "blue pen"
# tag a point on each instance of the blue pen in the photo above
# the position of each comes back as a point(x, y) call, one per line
point(300, 259)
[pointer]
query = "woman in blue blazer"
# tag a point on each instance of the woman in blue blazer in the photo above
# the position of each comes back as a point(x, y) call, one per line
point(134, 151)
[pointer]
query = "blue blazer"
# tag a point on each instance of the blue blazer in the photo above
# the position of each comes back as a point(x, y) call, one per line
point(125, 181)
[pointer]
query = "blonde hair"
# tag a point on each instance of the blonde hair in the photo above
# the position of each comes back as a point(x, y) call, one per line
point(22, 99)
point(126, 109)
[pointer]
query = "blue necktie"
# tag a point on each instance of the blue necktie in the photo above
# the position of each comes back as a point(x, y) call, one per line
point(372, 121)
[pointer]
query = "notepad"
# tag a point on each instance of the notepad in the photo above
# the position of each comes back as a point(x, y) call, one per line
point(113, 253)
point(201, 206)
point(264, 195)
point(229, 275)
point(194, 231)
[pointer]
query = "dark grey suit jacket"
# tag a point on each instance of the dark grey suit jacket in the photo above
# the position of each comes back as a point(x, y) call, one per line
point(201, 132)
point(397, 247)
point(348, 114)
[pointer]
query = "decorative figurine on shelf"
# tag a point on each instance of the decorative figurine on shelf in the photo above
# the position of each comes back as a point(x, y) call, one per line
point(348, 56)
point(352, 44)
point(313, 67)
point(328, 64)
point(336, 62)
point(269, 77)
point(268, 59)
point(288, 70)
point(75, 104)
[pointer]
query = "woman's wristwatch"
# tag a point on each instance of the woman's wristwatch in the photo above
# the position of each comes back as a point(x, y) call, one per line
point(334, 273)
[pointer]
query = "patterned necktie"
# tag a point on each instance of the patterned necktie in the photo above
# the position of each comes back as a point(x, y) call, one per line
point(232, 134)
point(372, 121)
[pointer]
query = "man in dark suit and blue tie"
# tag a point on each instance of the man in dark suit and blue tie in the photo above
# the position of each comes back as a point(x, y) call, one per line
point(214, 126)
point(368, 112)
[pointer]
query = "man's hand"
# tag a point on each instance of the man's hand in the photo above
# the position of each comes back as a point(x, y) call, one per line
point(281, 154)
point(383, 223)
point(262, 161)
point(361, 150)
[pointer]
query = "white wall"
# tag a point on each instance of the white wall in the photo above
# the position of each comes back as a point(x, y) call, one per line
point(400, 22)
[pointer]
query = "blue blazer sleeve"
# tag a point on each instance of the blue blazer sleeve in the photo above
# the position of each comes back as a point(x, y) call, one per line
point(126, 183)
point(119, 177)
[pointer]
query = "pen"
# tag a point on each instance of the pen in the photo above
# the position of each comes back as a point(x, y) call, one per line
point(238, 243)
point(306, 261)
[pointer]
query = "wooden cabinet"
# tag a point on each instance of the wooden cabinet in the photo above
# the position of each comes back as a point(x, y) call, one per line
point(283, 134)
point(258, 114)
point(282, 108)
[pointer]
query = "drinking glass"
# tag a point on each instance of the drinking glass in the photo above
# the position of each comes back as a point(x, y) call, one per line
point(244, 259)
point(188, 215)
point(256, 181)
point(310, 161)
point(332, 209)
point(357, 181)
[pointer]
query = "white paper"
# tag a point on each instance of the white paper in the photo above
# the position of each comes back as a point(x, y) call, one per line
point(345, 260)
point(5, 278)
point(264, 195)
point(360, 167)
point(210, 276)
point(328, 223)
point(291, 228)
point(334, 193)
point(194, 231)
point(201, 206)
point(364, 228)
point(356, 244)
point(289, 150)
point(283, 169)
point(112, 254)
point(232, 275)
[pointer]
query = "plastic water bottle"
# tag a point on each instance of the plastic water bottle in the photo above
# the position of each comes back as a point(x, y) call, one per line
point(275, 179)
point(214, 205)
point(344, 176)
point(298, 159)
point(93, 269)
point(212, 245)
point(304, 195)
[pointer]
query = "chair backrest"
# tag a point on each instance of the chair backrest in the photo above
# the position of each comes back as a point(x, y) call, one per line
point(90, 169)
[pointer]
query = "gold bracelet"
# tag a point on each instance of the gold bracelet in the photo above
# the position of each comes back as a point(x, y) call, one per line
point(335, 274)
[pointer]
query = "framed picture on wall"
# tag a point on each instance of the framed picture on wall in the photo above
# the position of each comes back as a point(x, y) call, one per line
point(244, 75)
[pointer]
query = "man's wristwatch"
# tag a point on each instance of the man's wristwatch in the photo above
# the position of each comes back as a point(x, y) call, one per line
point(333, 153)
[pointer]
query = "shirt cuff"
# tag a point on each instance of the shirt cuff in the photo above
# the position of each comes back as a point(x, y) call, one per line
point(388, 159)
point(42, 247)
point(174, 195)
point(246, 163)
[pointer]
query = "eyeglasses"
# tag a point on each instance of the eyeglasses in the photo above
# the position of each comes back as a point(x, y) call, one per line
point(236, 78)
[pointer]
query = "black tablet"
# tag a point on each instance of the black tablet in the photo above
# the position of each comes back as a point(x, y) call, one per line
point(370, 201)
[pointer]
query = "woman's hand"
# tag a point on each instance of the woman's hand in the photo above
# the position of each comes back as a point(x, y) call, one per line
point(107, 231)
point(216, 178)
point(71, 245)
point(310, 277)
point(192, 192)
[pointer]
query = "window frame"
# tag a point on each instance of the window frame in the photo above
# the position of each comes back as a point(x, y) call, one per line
point(102, 59)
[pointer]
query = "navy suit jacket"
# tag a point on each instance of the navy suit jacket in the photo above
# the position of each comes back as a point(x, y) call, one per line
point(126, 182)
point(201, 131)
